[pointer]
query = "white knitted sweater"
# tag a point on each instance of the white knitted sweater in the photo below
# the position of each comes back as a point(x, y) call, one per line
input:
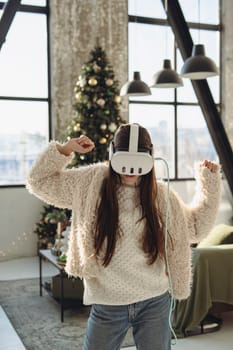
point(127, 279)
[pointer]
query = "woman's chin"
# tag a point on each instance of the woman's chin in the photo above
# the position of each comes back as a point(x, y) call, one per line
point(129, 179)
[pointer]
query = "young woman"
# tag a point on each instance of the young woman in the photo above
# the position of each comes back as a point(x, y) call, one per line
point(117, 241)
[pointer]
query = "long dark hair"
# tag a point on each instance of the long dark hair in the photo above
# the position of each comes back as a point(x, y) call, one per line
point(107, 230)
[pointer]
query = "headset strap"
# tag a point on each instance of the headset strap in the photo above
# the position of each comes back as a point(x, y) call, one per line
point(133, 138)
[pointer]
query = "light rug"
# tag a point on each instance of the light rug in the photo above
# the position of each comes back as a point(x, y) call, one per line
point(37, 319)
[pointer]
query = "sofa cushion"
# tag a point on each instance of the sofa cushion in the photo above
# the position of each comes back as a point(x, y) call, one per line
point(220, 234)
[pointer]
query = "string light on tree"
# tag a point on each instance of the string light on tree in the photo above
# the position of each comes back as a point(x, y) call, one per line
point(81, 82)
point(77, 127)
point(101, 102)
point(78, 96)
point(103, 126)
point(96, 68)
point(112, 127)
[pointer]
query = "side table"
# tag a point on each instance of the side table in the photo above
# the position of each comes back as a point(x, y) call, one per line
point(45, 253)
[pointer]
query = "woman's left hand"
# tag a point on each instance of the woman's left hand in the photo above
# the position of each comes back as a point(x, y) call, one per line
point(210, 165)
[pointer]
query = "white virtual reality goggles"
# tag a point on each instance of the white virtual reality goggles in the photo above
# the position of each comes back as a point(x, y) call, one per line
point(131, 162)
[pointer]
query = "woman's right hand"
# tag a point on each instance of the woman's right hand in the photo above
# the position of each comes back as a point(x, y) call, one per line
point(81, 144)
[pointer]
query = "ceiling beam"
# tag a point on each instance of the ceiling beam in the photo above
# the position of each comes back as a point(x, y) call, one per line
point(9, 10)
point(209, 109)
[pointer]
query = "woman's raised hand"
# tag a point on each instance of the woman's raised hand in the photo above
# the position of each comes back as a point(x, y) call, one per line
point(80, 144)
point(210, 165)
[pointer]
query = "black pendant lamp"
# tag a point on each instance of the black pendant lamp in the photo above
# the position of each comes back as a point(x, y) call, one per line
point(136, 87)
point(167, 77)
point(199, 66)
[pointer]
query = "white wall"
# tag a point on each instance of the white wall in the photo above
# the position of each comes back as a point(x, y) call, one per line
point(19, 211)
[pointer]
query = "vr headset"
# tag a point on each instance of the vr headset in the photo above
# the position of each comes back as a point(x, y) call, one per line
point(131, 162)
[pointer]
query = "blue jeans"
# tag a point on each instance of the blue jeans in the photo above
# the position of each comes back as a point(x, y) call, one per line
point(107, 325)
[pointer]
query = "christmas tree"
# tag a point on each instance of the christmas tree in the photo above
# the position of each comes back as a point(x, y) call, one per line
point(46, 227)
point(96, 107)
point(97, 115)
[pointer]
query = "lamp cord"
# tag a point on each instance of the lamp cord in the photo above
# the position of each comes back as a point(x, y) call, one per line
point(199, 18)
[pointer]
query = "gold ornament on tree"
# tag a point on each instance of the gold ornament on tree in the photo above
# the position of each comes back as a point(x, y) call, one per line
point(109, 82)
point(103, 140)
point(92, 81)
point(117, 99)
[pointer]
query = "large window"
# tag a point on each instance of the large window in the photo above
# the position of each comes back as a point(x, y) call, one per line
point(24, 93)
point(173, 116)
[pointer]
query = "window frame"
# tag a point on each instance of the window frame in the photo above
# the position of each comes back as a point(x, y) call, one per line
point(175, 103)
point(44, 10)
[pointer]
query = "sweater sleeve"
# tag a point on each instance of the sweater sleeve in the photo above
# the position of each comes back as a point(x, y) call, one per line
point(200, 215)
point(50, 181)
